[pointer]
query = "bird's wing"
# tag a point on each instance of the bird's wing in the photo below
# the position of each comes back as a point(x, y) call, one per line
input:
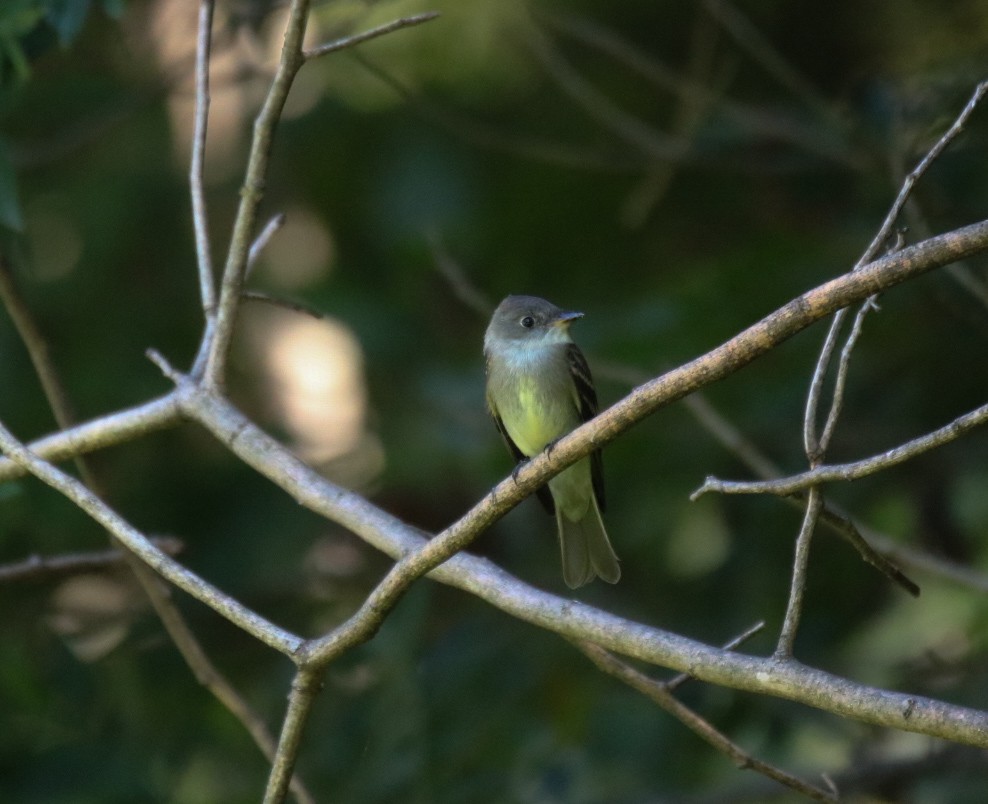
point(586, 403)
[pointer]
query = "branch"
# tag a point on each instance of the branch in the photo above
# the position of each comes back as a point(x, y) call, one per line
point(140, 545)
point(571, 618)
point(656, 145)
point(207, 283)
point(801, 561)
point(305, 686)
point(270, 230)
point(373, 33)
point(876, 548)
point(252, 191)
point(816, 448)
point(851, 471)
point(41, 568)
point(659, 694)
point(106, 431)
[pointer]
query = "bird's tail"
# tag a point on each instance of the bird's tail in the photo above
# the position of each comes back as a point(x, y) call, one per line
point(587, 552)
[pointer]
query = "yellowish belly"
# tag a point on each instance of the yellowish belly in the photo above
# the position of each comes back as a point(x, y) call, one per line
point(534, 424)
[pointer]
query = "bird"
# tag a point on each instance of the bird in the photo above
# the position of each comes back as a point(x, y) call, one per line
point(538, 389)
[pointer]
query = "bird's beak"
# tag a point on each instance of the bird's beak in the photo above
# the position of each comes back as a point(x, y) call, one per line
point(565, 319)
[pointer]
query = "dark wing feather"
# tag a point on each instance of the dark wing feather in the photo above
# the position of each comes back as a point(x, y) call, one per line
point(586, 400)
point(543, 493)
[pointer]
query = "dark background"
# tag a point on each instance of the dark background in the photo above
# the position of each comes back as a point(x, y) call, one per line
point(526, 145)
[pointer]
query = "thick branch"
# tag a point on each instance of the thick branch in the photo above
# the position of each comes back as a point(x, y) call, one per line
point(573, 619)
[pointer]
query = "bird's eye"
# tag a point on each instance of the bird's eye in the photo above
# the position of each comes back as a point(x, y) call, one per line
point(528, 322)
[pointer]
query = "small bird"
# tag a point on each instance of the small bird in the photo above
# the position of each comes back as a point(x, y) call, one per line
point(539, 388)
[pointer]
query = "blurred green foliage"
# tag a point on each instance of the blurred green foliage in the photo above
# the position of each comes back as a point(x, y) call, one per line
point(518, 140)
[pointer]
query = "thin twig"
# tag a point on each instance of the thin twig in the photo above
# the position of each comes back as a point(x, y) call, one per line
point(43, 568)
point(794, 607)
point(773, 124)
point(880, 238)
point(138, 543)
point(295, 307)
point(747, 35)
point(654, 144)
point(851, 471)
point(373, 33)
point(840, 381)
point(234, 271)
point(811, 438)
point(200, 221)
point(876, 548)
point(658, 693)
point(841, 524)
point(36, 345)
point(463, 288)
point(270, 230)
point(158, 594)
point(676, 682)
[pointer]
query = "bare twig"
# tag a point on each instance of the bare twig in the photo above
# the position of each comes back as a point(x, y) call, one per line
point(35, 343)
point(843, 526)
point(652, 143)
point(234, 271)
point(270, 230)
point(461, 285)
point(200, 221)
point(139, 544)
point(106, 431)
point(816, 444)
point(43, 568)
point(158, 594)
point(851, 471)
point(772, 124)
point(373, 33)
point(750, 39)
point(659, 694)
point(877, 548)
point(880, 238)
point(794, 607)
point(286, 304)
point(840, 380)
point(676, 682)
